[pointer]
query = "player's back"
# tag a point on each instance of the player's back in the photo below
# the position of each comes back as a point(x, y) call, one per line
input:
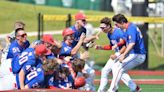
point(134, 35)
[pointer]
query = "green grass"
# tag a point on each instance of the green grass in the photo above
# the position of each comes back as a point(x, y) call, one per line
point(11, 11)
point(145, 88)
point(137, 77)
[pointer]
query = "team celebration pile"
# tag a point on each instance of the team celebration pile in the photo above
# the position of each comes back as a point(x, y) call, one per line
point(49, 63)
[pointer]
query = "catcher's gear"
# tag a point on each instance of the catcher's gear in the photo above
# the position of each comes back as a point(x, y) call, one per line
point(79, 82)
point(67, 32)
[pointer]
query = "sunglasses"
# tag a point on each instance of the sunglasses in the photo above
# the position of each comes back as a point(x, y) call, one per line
point(102, 28)
point(23, 35)
point(84, 21)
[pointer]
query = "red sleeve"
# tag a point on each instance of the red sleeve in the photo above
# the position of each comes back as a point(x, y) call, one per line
point(121, 43)
point(107, 47)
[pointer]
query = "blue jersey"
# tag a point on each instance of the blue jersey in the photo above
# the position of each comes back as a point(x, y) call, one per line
point(50, 56)
point(134, 35)
point(47, 78)
point(34, 76)
point(115, 37)
point(59, 83)
point(77, 34)
point(15, 49)
point(26, 57)
point(65, 50)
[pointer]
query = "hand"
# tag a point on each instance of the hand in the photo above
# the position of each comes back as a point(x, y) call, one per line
point(68, 58)
point(58, 44)
point(122, 57)
point(113, 57)
point(85, 75)
point(114, 47)
point(98, 47)
point(90, 44)
point(59, 61)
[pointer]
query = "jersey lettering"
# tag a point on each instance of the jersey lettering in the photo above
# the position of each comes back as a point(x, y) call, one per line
point(15, 49)
point(140, 34)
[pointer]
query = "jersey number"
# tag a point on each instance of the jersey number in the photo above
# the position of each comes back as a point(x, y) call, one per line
point(31, 75)
point(23, 58)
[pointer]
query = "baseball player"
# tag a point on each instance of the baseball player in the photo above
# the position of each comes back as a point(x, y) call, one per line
point(62, 79)
point(29, 56)
point(26, 69)
point(117, 43)
point(134, 53)
point(78, 70)
point(11, 36)
point(67, 48)
point(16, 47)
point(79, 28)
point(20, 44)
point(49, 42)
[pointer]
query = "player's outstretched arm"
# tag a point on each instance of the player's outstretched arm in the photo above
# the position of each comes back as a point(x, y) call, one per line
point(105, 47)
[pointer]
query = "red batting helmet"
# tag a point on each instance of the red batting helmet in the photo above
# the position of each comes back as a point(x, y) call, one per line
point(67, 31)
point(48, 38)
point(80, 16)
point(42, 50)
point(79, 81)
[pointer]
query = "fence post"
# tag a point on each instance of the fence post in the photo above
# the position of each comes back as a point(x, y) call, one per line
point(42, 25)
point(139, 9)
point(69, 20)
point(39, 25)
point(162, 41)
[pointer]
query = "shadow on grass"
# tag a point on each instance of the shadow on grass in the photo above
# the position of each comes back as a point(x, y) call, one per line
point(160, 67)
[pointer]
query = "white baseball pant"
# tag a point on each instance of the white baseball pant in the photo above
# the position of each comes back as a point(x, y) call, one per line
point(131, 61)
point(8, 82)
point(105, 75)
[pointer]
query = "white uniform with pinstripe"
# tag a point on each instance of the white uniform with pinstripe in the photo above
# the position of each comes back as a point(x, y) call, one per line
point(135, 56)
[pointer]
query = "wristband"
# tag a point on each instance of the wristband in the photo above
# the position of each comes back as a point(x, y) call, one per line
point(107, 47)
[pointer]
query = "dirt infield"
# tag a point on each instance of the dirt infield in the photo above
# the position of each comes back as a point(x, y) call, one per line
point(140, 73)
point(44, 90)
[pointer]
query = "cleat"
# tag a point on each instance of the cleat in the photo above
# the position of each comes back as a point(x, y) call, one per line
point(138, 89)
